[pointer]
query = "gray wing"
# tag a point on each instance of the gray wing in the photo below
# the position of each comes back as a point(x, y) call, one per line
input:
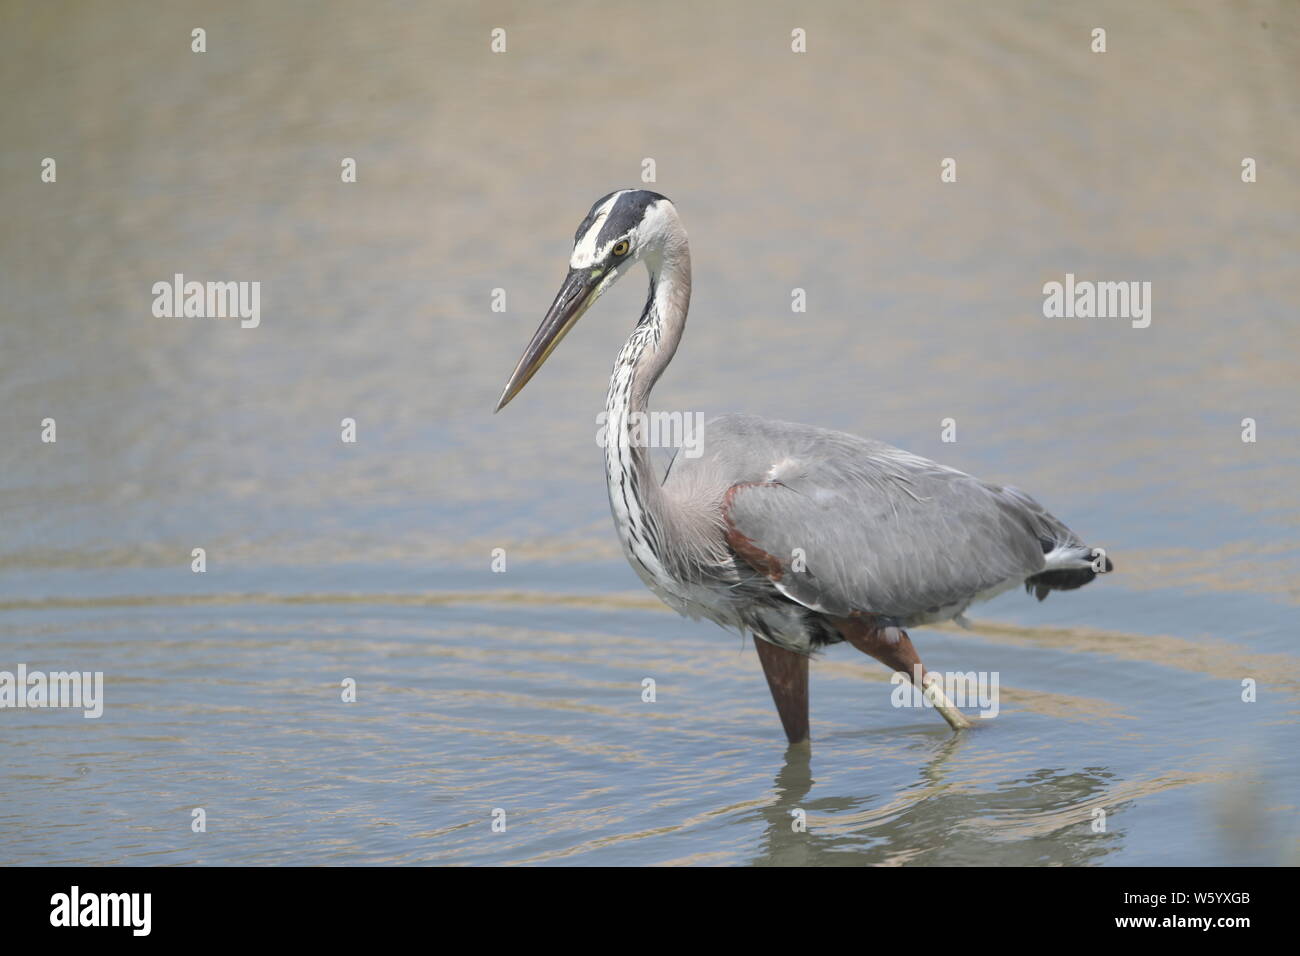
point(879, 530)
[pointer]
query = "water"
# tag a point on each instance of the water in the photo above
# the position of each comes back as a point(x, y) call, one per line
point(522, 691)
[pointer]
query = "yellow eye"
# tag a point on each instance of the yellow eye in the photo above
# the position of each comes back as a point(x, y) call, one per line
point(620, 248)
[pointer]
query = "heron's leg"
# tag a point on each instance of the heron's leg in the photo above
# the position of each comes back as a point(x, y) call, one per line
point(787, 678)
point(893, 648)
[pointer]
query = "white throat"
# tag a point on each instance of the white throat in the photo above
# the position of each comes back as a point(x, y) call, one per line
point(635, 497)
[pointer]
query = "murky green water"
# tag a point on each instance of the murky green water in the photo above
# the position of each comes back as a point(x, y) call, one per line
point(523, 691)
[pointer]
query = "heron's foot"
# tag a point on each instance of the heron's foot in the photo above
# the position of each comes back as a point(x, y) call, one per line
point(893, 648)
point(932, 690)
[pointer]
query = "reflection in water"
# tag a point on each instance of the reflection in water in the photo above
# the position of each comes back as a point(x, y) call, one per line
point(782, 845)
point(1044, 817)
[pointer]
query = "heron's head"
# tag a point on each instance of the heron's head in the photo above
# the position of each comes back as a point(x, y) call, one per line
point(621, 229)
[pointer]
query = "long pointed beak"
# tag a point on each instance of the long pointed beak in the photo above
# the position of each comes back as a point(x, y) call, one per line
point(580, 289)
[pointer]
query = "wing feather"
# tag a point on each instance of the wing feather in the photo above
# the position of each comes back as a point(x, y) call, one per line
point(843, 524)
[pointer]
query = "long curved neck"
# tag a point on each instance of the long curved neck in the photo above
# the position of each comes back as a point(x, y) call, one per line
point(635, 496)
point(653, 342)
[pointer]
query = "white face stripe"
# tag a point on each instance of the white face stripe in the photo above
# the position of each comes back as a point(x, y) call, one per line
point(585, 251)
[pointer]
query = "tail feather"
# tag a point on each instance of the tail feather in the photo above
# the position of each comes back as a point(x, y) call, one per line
point(1074, 568)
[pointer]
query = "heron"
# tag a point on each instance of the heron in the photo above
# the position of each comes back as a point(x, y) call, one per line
point(801, 537)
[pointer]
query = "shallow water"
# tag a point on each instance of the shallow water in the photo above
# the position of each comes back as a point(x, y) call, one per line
point(523, 691)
